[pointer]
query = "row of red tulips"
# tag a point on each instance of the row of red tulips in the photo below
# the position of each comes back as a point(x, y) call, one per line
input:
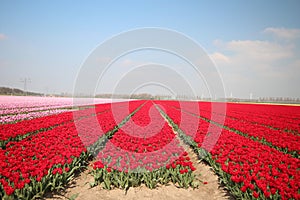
point(248, 168)
point(141, 152)
point(284, 141)
point(26, 162)
point(47, 160)
point(284, 118)
point(277, 116)
point(280, 117)
point(179, 172)
point(20, 130)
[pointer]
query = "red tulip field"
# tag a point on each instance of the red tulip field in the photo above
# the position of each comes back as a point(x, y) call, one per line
point(253, 148)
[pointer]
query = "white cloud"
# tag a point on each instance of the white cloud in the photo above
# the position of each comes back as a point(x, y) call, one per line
point(264, 67)
point(254, 56)
point(2, 36)
point(283, 33)
point(259, 51)
point(218, 57)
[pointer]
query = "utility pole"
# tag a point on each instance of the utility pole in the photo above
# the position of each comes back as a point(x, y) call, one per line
point(25, 81)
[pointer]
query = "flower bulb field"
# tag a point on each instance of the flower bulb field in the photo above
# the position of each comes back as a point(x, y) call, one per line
point(45, 142)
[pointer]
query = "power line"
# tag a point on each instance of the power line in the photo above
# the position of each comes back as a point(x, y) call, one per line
point(25, 81)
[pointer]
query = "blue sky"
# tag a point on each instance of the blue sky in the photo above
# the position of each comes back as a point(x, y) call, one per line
point(255, 44)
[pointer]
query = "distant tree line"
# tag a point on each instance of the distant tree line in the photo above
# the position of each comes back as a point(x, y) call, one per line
point(17, 92)
point(278, 99)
